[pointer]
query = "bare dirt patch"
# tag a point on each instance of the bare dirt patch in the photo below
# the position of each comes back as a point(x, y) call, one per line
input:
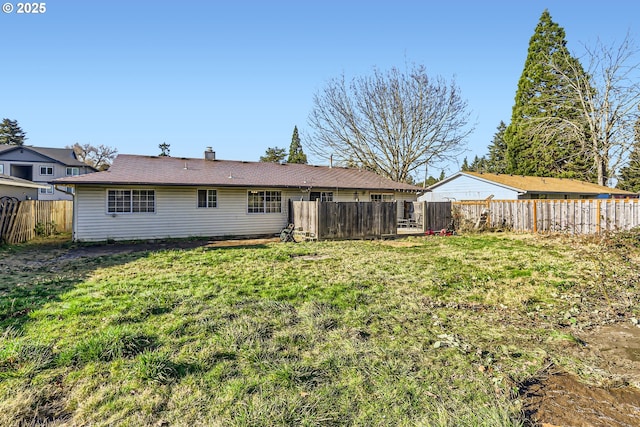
point(560, 399)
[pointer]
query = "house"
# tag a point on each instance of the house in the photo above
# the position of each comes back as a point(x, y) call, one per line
point(480, 186)
point(152, 197)
point(41, 165)
point(19, 188)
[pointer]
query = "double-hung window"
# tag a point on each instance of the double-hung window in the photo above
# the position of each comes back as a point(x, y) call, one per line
point(207, 198)
point(131, 201)
point(264, 201)
point(382, 197)
point(48, 190)
point(323, 196)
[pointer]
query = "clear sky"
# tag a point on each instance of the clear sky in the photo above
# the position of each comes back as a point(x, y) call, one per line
point(239, 75)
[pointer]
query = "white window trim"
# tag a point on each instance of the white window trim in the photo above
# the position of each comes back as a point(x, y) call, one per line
point(46, 167)
point(207, 190)
point(2, 168)
point(73, 169)
point(130, 211)
point(385, 197)
point(264, 204)
point(48, 190)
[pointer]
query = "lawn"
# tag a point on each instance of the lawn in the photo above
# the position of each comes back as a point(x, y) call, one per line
point(435, 331)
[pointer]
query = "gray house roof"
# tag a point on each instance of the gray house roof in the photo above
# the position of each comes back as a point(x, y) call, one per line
point(174, 171)
point(65, 156)
point(12, 181)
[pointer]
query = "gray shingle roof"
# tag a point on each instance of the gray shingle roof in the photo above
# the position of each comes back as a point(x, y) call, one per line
point(65, 156)
point(156, 170)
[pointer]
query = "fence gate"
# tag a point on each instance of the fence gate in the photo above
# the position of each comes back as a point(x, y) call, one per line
point(437, 215)
point(8, 213)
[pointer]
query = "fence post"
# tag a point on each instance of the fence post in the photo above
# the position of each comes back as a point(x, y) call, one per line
point(598, 209)
point(535, 216)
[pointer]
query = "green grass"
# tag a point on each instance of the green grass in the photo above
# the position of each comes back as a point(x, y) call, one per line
point(420, 331)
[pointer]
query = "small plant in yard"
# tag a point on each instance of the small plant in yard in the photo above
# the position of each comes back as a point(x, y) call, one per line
point(45, 229)
point(416, 331)
point(155, 367)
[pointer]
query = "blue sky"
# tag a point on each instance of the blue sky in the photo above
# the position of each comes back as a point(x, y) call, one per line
point(239, 75)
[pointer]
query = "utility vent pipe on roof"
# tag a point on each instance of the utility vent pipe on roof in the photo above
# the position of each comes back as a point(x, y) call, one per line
point(209, 154)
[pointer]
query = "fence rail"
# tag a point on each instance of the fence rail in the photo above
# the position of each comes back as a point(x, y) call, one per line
point(21, 221)
point(584, 216)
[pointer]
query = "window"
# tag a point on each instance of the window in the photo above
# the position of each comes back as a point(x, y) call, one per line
point(46, 170)
point(323, 196)
point(131, 201)
point(207, 198)
point(73, 171)
point(48, 190)
point(382, 197)
point(264, 202)
point(1, 168)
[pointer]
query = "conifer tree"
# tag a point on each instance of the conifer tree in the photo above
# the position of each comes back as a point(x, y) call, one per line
point(542, 92)
point(629, 178)
point(11, 133)
point(497, 157)
point(296, 155)
point(164, 149)
point(630, 174)
point(274, 155)
point(465, 165)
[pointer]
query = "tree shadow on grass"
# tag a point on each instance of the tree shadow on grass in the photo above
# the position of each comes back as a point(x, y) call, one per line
point(32, 275)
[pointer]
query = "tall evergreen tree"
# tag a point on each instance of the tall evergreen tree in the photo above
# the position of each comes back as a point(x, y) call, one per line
point(465, 165)
point(629, 178)
point(11, 133)
point(497, 157)
point(479, 164)
point(296, 155)
point(542, 93)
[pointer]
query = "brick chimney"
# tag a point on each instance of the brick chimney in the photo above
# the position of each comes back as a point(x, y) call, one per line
point(209, 154)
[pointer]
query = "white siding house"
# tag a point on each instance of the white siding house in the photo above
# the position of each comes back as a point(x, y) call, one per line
point(465, 187)
point(480, 186)
point(148, 197)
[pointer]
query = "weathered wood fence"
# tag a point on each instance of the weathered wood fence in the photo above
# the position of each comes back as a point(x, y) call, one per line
point(584, 216)
point(437, 215)
point(21, 221)
point(345, 220)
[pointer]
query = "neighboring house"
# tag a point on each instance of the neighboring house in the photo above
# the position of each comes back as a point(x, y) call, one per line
point(479, 186)
point(18, 188)
point(42, 165)
point(152, 197)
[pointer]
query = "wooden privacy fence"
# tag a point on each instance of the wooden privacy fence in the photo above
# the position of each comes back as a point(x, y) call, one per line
point(345, 220)
point(437, 215)
point(21, 221)
point(584, 216)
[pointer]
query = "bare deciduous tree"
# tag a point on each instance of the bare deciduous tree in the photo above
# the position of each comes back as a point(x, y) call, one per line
point(99, 157)
point(608, 94)
point(392, 123)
